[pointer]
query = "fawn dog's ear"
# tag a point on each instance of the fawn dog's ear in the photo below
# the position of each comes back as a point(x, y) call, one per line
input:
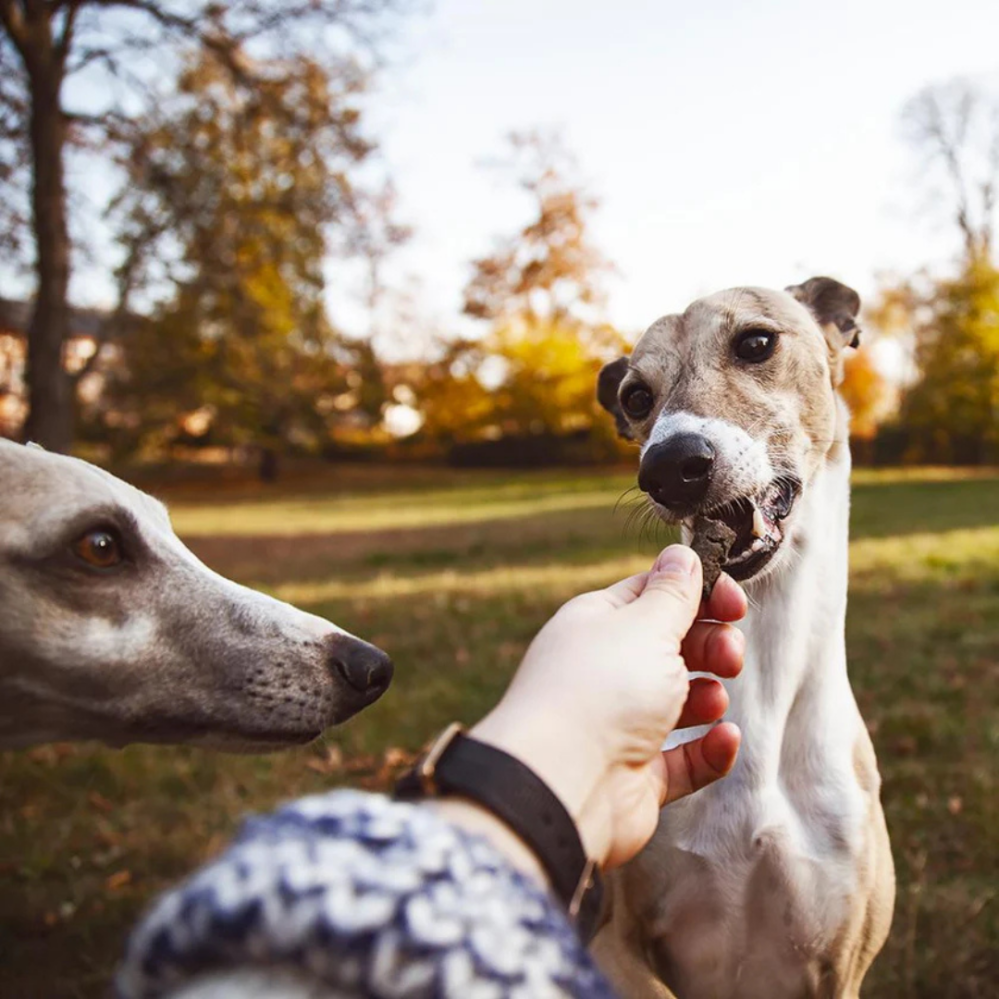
point(608, 383)
point(832, 304)
point(835, 308)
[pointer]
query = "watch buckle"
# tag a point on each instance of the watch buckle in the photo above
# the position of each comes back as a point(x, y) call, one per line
point(586, 882)
point(427, 767)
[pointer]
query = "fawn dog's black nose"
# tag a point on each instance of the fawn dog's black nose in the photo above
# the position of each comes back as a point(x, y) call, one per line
point(363, 667)
point(677, 472)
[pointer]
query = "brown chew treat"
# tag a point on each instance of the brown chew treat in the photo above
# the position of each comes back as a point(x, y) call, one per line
point(713, 540)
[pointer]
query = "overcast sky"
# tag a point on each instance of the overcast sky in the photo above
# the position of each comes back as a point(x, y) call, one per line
point(729, 142)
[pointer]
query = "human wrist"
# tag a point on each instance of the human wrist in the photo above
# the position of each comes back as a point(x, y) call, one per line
point(480, 821)
point(572, 770)
point(475, 772)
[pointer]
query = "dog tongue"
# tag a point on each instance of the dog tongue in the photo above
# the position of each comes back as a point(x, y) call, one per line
point(712, 540)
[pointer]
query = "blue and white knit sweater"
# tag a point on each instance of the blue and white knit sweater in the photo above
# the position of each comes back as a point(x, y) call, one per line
point(359, 895)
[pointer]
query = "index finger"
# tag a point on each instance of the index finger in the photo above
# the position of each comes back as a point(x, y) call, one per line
point(727, 601)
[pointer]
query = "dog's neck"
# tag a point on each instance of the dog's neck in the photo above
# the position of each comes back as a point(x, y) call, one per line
point(795, 675)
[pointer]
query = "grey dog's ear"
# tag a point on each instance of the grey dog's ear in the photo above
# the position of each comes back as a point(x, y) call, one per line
point(832, 304)
point(608, 383)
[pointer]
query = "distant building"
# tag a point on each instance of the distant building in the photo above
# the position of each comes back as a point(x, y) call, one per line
point(87, 333)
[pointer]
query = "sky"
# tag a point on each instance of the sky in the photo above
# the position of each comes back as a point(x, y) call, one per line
point(728, 143)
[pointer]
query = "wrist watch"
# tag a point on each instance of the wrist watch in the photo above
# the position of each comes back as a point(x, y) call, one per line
point(456, 765)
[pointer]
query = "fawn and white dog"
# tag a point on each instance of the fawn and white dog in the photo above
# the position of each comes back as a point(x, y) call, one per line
point(777, 882)
point(111, 629)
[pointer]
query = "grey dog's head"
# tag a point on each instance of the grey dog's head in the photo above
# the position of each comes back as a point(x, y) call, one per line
point(111, 629)
point(734, 404)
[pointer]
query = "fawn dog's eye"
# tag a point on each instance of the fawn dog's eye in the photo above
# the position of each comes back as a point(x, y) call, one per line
point(637, 401)
point(755, 345)
point(99, 548)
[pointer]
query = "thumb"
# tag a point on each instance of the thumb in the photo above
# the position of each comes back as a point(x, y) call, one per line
point(673, 587)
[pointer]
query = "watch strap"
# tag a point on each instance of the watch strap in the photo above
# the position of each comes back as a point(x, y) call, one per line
point(457, 765)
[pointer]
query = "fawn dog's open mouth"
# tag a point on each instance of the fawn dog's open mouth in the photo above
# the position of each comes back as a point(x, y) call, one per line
point(758, 525)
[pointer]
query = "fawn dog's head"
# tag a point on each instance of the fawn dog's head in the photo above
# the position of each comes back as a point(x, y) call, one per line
point(734, 404)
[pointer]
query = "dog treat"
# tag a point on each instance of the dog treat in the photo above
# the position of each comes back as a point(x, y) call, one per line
point(713, 540)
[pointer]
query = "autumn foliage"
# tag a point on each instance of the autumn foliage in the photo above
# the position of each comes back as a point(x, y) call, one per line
point(866, 393)
point(533, 371)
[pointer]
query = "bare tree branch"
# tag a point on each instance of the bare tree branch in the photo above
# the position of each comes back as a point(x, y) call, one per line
point(955, 127)
point(65, 37)
point(12, 18)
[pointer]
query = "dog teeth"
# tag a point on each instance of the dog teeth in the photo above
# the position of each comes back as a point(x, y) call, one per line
point(757, 545)
point(759, 526)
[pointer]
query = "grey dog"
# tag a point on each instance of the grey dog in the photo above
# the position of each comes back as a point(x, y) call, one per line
point(111, 629)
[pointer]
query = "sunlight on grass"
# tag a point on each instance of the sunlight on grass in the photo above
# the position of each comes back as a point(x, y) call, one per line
point(406, 510)
point(415, 505)
point(503, 579)
point(915, 558)
point(912, 558)
point(921, 473)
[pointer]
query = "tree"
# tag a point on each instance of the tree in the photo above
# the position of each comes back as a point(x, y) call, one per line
point(520, 381)
point(548, 270)
point(234, 201)
point(952, 411)
point(44, 43)
point(534, 372)
point(954, 130)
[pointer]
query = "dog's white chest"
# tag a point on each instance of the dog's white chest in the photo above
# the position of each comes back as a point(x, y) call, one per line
point(746, 886)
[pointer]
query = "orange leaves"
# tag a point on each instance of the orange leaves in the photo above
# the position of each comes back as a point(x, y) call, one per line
point(118, 880)
point(866, 393)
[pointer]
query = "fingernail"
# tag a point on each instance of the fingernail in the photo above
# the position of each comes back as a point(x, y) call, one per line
point(676, 560)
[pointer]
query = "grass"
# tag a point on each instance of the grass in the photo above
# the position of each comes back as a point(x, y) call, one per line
point(453, 573)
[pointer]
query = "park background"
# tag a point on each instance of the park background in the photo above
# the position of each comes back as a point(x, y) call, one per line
point(335, 278)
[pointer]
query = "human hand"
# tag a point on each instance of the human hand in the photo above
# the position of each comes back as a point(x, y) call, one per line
point(603, 684)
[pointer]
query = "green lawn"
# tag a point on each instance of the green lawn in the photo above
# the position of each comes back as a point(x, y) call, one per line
point(453, 573)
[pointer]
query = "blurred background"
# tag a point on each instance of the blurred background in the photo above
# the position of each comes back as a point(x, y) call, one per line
point(335, 278)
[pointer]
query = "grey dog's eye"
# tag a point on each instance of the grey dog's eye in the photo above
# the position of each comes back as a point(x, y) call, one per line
point(99, 548)
point(637, 401)
point(755, 345)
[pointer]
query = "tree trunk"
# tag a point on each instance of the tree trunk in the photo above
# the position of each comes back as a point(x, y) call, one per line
point(50, 415)
point(269, 465)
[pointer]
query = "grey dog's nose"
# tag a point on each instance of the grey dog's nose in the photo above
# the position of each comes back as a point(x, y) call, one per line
point(677, 472)
point(363, 667)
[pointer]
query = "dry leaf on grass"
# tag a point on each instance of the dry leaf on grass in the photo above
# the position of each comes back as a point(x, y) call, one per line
point(327, 761)
point(118, 880)
point(100, 802)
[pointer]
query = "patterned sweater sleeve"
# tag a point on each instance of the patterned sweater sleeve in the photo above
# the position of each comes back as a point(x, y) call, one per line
point(361, 896)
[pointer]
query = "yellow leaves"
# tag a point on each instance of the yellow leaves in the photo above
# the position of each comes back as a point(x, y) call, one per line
point(526, 378)
point(540, 288)
point(950, 411)
point(243, 188)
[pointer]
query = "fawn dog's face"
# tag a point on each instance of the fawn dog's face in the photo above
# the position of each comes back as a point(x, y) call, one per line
point(734, 404)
